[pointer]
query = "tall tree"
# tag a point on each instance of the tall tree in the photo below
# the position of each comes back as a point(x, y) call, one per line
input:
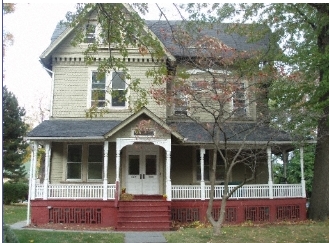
point(302, 31)
point(14, 129)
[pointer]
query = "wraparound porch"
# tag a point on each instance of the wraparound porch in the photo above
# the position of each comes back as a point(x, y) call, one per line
point(178, 192)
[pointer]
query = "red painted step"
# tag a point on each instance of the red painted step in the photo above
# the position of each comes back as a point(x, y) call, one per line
point(144, 213)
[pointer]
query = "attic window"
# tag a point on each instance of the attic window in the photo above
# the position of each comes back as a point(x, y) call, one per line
point(90, 33)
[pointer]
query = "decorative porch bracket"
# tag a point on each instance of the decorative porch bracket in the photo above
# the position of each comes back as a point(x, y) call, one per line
point(164, 143)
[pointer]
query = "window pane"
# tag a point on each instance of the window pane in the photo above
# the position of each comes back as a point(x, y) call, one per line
point(73, 170)
point(133, 165)
point(95, 153)
point(95, 170)
point(118, 98)
point(151, 165)
point(74, 153)
point(118, 81)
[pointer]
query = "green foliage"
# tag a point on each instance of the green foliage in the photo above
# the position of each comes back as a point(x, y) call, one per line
point(13, 192)
point(119, 31)
point(293, 169)
point(14, 129)
point(8, 235)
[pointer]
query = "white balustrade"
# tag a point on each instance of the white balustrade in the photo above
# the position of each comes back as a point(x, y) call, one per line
point(75, 191)
point(246, 191)
point(95, 191)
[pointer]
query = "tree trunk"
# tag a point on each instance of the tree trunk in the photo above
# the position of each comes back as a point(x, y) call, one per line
point(319, 207)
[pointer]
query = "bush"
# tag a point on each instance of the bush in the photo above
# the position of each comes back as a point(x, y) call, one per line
point(9, 236)
point(13, 192)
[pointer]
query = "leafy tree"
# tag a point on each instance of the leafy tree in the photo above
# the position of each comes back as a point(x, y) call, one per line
point(293, 170)
point(302, 31)
point(14, 129)
point(7, 37)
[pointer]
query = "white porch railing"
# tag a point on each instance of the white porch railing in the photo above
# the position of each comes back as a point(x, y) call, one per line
point(75, 191)
point(246, 191)
point(95, 191)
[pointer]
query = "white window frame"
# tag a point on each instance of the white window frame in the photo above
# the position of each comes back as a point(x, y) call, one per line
point(246, 101)
point(69, 162)
point(98, 162)
point(108, 87)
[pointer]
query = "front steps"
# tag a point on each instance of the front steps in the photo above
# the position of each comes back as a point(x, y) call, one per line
point(144, 213)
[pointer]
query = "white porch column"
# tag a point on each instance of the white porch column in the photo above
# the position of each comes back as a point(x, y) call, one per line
point(168, 180)
point(301, 151)
point(285, 162)
point(106, 161)
point(47, 164)
point(202, 183)
point(34, 167)
point(33, 154)
point(269, 165)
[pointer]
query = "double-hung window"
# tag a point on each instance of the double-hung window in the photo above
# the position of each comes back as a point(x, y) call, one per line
point(74, 162)
point(239, 100)
point(98, 90)
point(95, 162)
point(118, 92)
point(90, 33)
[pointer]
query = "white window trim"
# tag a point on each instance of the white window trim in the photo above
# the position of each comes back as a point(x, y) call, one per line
point(246, 101)
point(108, 86)
point(66, 148)
point(87, 167)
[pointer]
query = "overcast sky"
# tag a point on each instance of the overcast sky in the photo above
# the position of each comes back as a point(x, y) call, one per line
point(32, 25)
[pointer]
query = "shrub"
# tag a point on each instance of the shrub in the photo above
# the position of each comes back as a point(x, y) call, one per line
point(9, 236)
point(13, 192)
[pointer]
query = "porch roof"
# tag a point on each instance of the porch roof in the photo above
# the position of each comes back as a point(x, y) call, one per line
point(235, 132)
point(73, 129)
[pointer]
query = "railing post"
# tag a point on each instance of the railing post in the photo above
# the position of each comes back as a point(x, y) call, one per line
point(47, 163)
point(301, 151)
point(106, 159)
point(202, 183)
point(269, 165)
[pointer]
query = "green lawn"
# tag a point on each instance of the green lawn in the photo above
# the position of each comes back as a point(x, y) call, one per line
point(317, 232)
point(14, 213)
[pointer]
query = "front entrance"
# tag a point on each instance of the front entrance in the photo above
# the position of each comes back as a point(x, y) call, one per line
point(142, 169)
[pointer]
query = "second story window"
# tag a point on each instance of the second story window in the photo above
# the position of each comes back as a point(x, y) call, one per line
point(98, 90)
point(90, 35)
point(239, 100)
point(118, 93)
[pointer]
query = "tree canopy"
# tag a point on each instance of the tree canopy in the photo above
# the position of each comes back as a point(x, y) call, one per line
point(14, 129)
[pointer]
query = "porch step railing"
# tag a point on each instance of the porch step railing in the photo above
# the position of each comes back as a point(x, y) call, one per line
point(76, 191)
point(246, 191)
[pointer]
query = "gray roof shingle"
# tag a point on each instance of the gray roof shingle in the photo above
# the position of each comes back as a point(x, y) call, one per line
point(73, 128)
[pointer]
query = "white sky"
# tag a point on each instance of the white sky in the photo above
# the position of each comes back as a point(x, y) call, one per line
point(32, 25)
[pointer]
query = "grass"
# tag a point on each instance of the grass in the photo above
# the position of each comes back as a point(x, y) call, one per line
point(301, 232)
point(14, 213)
point(34, 236)
point(307, 231)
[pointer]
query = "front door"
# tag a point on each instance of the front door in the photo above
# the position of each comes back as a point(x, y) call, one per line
point(142, 169)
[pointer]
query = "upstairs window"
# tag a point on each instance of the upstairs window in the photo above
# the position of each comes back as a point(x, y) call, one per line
point(90, 35)
point(181, 105)
point(98, 90)
point(118, 93)
point(239, 100)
